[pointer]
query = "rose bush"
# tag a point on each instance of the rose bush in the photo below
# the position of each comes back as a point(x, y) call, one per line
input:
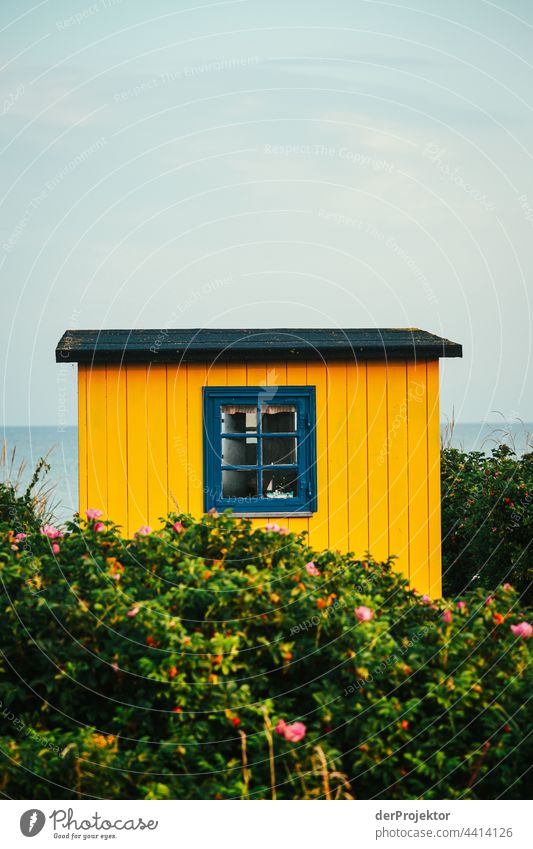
point(487, 520)
point(209, 660)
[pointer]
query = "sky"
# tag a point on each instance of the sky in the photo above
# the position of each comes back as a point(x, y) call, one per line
point(251, 164)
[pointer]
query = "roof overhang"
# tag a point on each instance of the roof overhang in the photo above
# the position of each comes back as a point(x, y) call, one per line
point(206, 345)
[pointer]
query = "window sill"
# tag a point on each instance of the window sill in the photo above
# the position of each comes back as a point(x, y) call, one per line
point(275, 515)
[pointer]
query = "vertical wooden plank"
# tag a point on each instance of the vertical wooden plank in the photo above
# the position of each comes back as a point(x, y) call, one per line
point(318, 524)
point(297, 376)
point(235, 374)
point(82, 439)
point(178, 448)
point(137, 447)
point(378, 502)
point(418, 482)
point(117, 446)
point(156, 406)
point(357, 458)
point(398, 469)
point(434, 496)
point(337, 455)
point(276, 374)
point(97, 438)
point(256, 375)
point(217, 374)
point(196, 380)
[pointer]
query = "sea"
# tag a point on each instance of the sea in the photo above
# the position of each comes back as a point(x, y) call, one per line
point(24, 446)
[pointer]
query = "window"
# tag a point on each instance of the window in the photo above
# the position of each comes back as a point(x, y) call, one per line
point(259, 449)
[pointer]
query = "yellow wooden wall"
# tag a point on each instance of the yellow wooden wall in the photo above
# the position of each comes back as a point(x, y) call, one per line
point(378, 451)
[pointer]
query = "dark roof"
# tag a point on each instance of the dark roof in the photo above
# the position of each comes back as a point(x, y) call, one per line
point(205, 345)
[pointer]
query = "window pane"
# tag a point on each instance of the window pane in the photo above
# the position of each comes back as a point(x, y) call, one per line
point(238, 419)
point(280, 484)
point(279, 450)
point(239, 484)
point(239, 452)
point(278, 418)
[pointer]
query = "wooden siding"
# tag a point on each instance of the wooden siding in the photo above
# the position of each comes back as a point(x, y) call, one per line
point(378, 450)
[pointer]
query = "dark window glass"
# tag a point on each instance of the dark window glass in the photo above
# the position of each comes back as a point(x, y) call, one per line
point(238, 419)
point(279, 450)
point(280, 483)
point(239, 452)
point(239, 484)
point(277, 418)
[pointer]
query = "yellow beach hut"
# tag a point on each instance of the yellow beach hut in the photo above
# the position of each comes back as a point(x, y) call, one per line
point(334, 431)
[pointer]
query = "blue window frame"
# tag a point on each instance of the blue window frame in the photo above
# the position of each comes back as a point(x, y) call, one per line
point(260, 449)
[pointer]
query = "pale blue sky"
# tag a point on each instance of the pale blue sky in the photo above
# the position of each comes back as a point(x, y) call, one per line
point(267, 164)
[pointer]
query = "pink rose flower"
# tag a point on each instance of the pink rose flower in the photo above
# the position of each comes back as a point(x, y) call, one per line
point(144, 531)
point(51, 532)
point(447, 616)
point(99, 526)
point(20, 536)
point(523, 629)
point(115, 666)
point(311, 569)
point(461, 605)
point(93, 514)
point(178, 527)
point(488, 600)
point(505, 587)
point(271, 526)
point(55, 548)
point(364, 614)
point(133, 612)
point(284, 531)
point(295, 732)
point(425, 599)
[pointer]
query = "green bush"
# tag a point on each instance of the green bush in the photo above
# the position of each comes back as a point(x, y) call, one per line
point(24, 509)
point(487, 520)
point(209, 660)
